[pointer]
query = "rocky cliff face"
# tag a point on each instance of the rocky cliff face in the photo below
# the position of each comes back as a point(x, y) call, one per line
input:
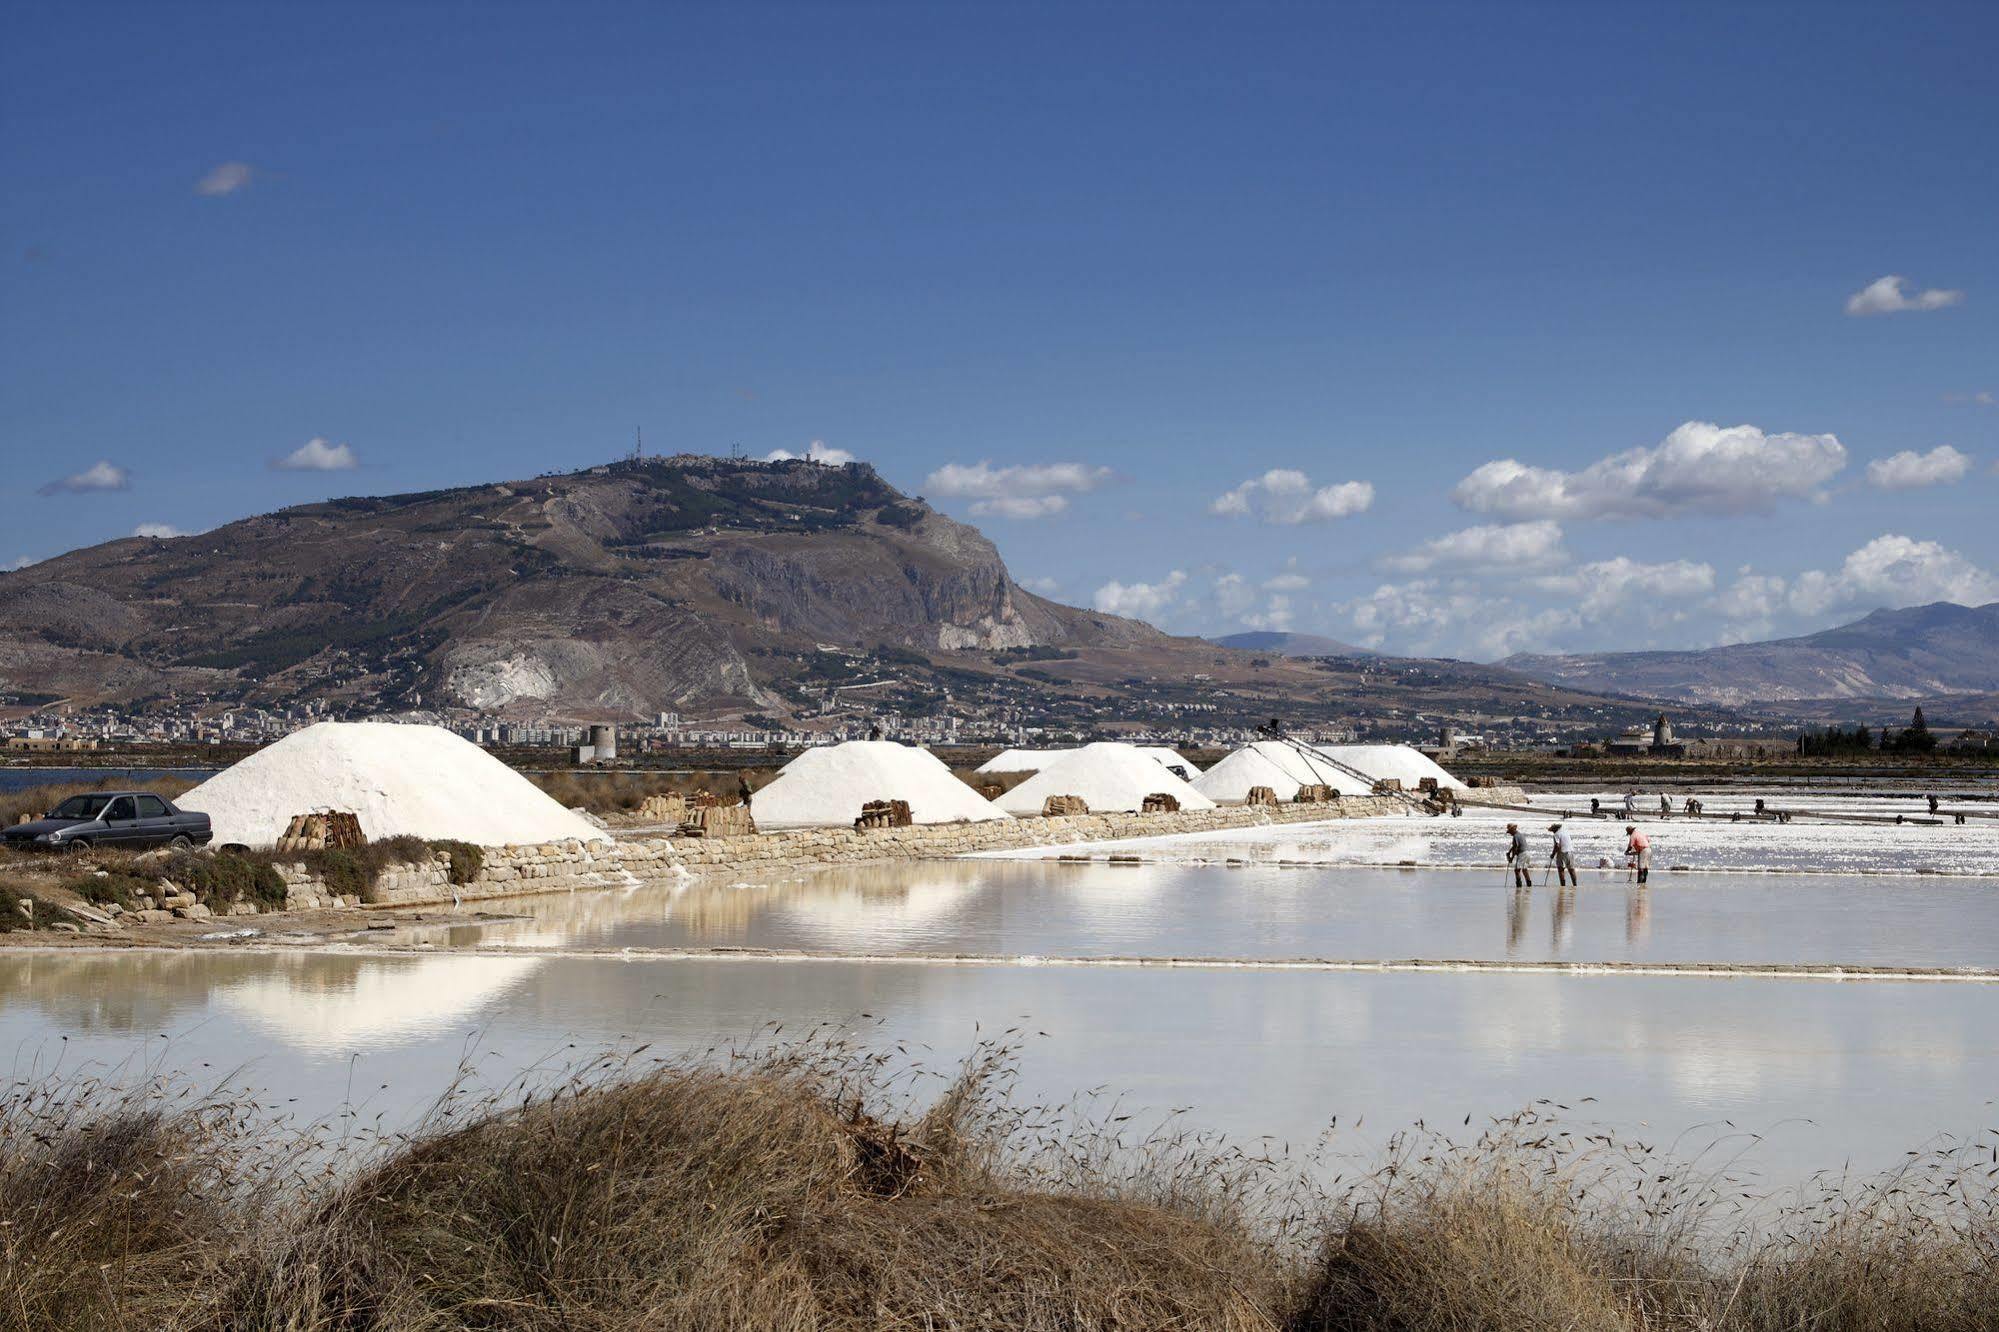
point(667, 584)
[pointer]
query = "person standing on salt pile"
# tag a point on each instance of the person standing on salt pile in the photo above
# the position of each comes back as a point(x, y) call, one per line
point(1630, 803)
point(1516, 856)
point(1639, 848)
point(743, 789)
point(1564, 857)
point(1665, 807)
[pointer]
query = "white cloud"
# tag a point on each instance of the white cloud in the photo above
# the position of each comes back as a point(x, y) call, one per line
point(1909, 470)
point(1139, 600)
point(100, 475)
point(18, 562)
point(1023, 507)
point(161, 531)
point(1982, 398)
point(1426, 616)
point(817, 451)
point(1022, 490)
point(318, 455)
point(1046, 587)
point(1894, 571)
point(1624, 584)
point(1492, 546)
point(1885, 296)
point(224, 178)
point(1700, 468)
point(1241, 605)
point(1286, 497)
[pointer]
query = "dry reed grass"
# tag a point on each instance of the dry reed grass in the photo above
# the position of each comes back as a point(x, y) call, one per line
point(609, 793)
point(806, 1187)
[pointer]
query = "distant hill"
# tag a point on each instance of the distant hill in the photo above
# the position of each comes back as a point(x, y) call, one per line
point(1290, 645)
point(628, 589)
point(1941, 648)
point(711, 587)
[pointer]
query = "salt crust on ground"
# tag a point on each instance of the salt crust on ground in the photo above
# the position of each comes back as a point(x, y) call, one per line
point(1280, 766)
point(415, 781)
point(1107, 776)
point(826, 787)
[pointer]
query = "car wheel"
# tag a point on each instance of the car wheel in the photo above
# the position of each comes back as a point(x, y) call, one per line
point(180, 843)
point(76, 844)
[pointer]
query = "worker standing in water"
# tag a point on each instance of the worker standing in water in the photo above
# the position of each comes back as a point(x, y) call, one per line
point(1516, 856)
point(1639, 847)
point(1564, 857)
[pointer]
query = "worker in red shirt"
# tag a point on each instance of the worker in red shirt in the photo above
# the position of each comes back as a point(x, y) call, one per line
point(1639, 848)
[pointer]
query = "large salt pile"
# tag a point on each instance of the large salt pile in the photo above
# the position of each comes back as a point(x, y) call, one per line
point(1022, 760)
point(1400, 762)
point(826, 787)
point(401, 781)
point(1278, 765)
point(1034, 760)
point(1171, 759)
point(1107, 776)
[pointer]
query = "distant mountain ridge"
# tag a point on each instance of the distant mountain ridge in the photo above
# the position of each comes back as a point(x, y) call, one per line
point(628, 589)
point(1941, 648)
point(1289, 645)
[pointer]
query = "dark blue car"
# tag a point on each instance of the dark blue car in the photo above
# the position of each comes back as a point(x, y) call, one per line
point(120, 820)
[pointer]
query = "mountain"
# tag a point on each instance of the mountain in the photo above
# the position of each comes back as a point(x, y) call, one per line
point(1289, 645)
point(665, 584)
point(711, 587)
point(1923, 651)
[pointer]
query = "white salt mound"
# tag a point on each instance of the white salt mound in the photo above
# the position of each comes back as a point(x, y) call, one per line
point(1022, 760)
point(1170, 758)
point(826, 787)
point(400, 781)
point(1108, 776)
point(1034, 760)
point(1398, 761)
point(1281, 767)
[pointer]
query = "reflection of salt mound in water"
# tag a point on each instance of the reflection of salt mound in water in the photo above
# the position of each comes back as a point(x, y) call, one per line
point(1280, 766)
point(414, 781)
point(339, 1004)
point(1397, 762)
point(861, 920)
point(826, 787)
point(1108, 777)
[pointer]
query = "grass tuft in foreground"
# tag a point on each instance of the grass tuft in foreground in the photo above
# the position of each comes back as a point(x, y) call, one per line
point(804, 1188)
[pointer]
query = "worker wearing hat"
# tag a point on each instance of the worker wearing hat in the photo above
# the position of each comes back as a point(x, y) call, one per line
point(1516, 856)
point(1639, 847)
point(1564, 857)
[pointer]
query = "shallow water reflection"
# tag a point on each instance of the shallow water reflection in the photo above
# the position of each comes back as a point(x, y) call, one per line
point(1834, 1072)
point(1042, 908)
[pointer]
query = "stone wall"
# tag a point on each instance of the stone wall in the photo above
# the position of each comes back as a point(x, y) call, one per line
point(562, 866)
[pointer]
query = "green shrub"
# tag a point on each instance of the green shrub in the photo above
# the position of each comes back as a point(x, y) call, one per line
point(228, 877)
point(104, 889)
point(466, 859)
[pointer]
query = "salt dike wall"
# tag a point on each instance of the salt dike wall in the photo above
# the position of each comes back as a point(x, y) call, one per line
point(569, 865)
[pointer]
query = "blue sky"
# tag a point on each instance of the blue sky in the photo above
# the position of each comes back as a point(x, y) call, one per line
point(1343, 319)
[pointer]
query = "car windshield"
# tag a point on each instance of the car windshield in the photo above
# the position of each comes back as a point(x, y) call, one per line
point(81, 807)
